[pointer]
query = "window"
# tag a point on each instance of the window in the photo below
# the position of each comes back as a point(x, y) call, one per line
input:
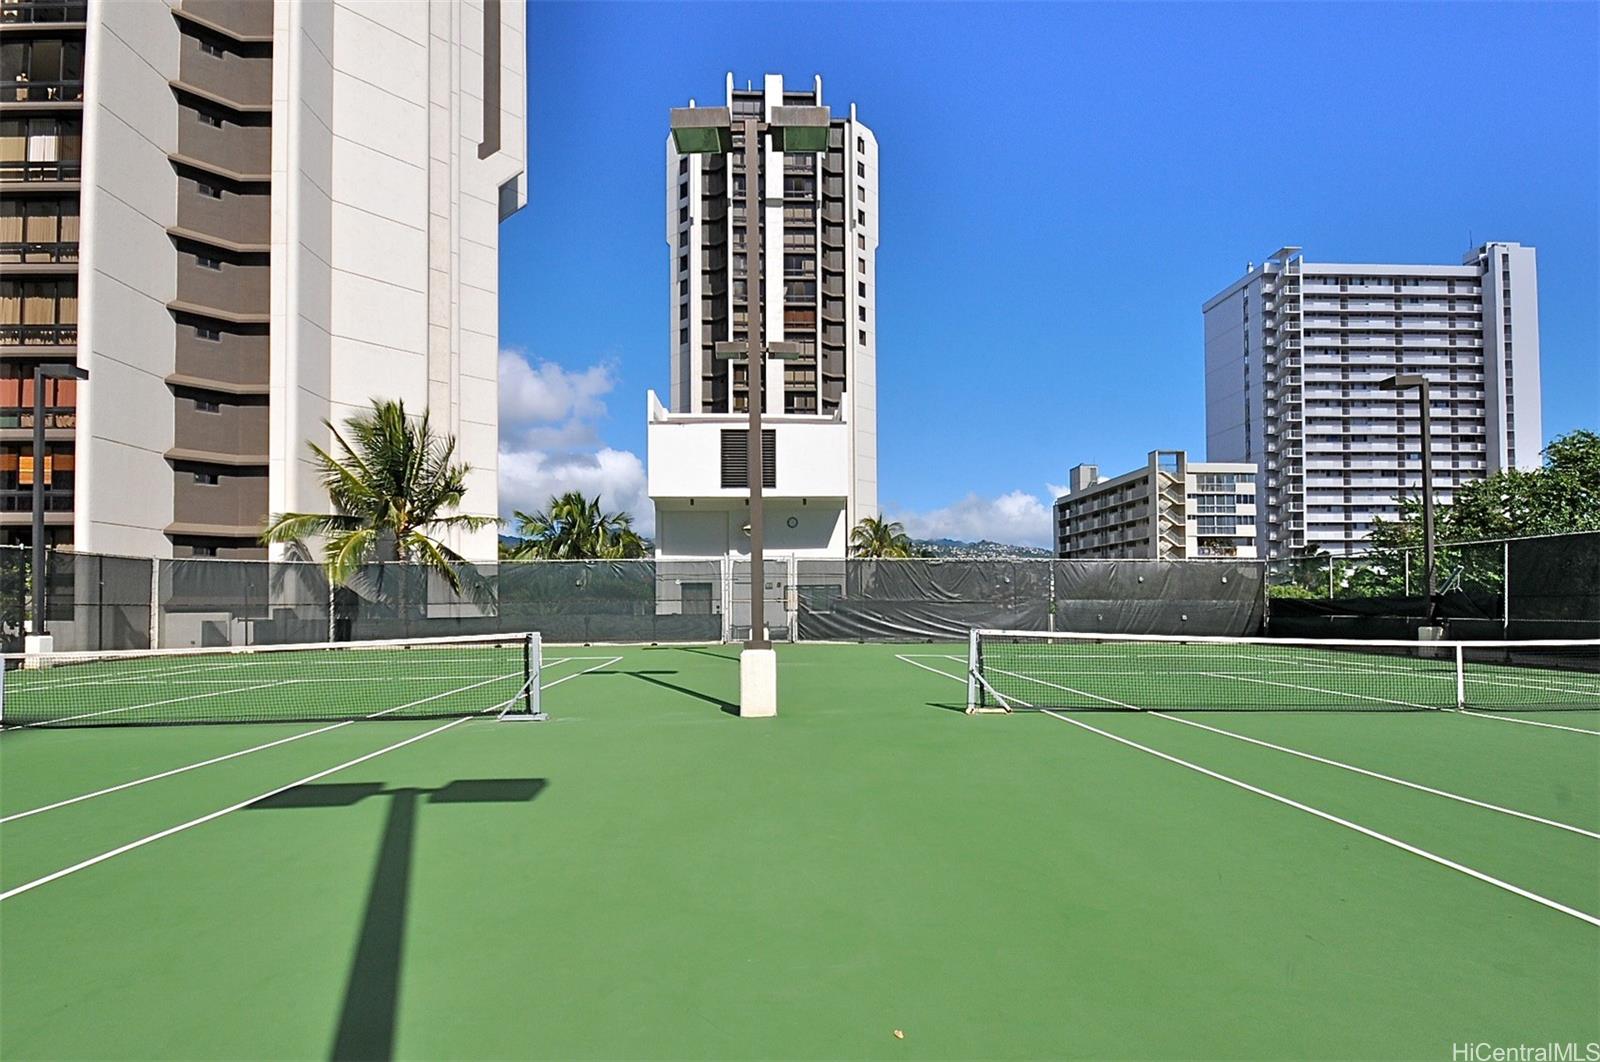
point(861, 217)
point(861, 145)
point(205, 405)
point(862, 336)
point(202, 551)
point(861, 241)
point(210, 191)
point(861, 312)
point(210, 335)
point(210, 479)
point(861, 288)
point(861, 193)
point(207, 262)
point(861, 169)
point(213, 120)
point(861, 265)
point(212, 49)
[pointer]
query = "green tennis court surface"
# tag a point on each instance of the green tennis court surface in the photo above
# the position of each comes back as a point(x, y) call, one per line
point(647, 875)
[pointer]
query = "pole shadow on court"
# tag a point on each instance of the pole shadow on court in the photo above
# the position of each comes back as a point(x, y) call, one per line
point(372, 991)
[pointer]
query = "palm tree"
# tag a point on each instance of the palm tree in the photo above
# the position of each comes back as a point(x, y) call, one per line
point(573, 527)
point(394, 485)
point(876, 537)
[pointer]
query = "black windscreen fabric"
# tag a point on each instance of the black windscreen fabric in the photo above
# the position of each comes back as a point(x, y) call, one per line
point(565, 601)
point(208, 602)
point(1160, 597)
point(920, 600)
point(1553, 587)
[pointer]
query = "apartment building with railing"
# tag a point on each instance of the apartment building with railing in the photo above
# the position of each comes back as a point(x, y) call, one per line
point(41, 151)
point(1169, 509)
point(245, 217)
point(1295, 352)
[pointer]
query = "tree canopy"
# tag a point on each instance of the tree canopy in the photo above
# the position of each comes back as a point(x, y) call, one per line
point(394, 485)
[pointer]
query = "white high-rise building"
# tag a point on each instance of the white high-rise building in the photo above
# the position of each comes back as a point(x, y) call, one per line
point(287, 209)
point(820, 227)
point(1295, 351)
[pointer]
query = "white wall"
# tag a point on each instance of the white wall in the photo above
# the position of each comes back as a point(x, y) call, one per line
point(685, 455)
point(126, 276)
point(386, 229)
point(716, 527)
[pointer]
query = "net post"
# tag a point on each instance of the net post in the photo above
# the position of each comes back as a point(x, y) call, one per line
point(1461, 677)
point(972, 671)
point(532, 671)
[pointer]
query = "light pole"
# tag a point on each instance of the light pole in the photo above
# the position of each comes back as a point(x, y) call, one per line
point(709, 131)
point(1405, 382)
point(38, 640)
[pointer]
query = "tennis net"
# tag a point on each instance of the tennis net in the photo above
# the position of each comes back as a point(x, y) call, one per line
point(1009, 670)
point(491, 675)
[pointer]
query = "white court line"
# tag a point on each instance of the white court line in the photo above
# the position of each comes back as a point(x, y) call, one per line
point(270, 744)
point(1317, 689)
point(1524, 722)
point(1432, 857)
point(1331, 763)
point(170, 830)
point(585, 671)
point(151, 704)
point(169, 774)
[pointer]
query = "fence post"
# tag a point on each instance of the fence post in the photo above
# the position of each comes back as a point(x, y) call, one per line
point(1330, 577)
point(1505, 589)
point(155, 602)
point(792, 597)
point(1050, 624)
point(1406, 556)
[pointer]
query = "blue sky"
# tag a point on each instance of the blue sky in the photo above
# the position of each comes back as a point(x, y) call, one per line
point(1062, 186)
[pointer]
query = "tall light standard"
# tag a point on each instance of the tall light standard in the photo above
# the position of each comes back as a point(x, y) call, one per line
point(39, 639)
point(1405, 382)
point(709, 131)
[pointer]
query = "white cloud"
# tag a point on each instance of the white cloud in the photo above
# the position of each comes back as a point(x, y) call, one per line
point(549, 441)
point(528, 479)
point(1016, 518)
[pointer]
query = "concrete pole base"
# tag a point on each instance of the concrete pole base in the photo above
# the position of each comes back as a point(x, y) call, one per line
point(35, 646)
point(758, 683)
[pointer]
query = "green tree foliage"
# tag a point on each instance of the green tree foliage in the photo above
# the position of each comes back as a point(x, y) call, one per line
point(573, 527)
point(879, 538)
point(394, 486)
point(1561, 497)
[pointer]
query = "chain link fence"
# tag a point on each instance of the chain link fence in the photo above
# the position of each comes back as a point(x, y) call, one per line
point(1517, 588)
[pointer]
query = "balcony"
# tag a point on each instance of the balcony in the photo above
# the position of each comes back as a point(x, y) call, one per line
point(245, 20)
point(57, 419)
point(63, 92)
point(37, 253)
point(39, 335)
point(241, 151)
point(53, 13)
point(237, 292)
point(35, 171)
point(242, 82)
point(236, 222)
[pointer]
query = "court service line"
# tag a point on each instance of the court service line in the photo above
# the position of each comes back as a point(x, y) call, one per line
point(1524, 722)
point(1337, 693)
point(1418, 786)
point(153, 704)
point(170, 830)
point(1366, 831)
point(267, 745)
